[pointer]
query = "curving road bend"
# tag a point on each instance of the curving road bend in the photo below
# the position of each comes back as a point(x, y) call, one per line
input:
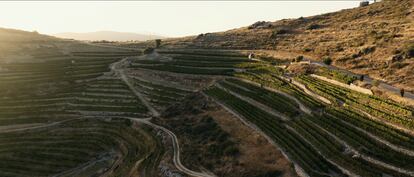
point(117, 68)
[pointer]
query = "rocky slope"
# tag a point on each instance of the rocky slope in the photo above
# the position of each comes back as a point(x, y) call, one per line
point(377, 40)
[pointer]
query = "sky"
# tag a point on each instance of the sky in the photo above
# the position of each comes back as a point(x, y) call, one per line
point(168, 18)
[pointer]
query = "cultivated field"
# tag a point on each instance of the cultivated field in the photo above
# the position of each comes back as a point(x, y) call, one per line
point(102, 111)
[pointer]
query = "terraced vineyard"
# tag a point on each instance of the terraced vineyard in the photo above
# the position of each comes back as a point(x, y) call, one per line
point(70, 116)
point(88, 113)
point(160, 96)
point(343, 138)
point(217, 64)
point(375, 106)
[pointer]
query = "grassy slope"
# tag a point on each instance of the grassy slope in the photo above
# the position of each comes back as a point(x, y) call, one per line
point(346, 36)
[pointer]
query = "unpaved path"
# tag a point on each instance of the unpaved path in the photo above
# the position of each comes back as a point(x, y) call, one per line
point(299, 170)
point(117, 68)
point(176, 148)
point(36, 126)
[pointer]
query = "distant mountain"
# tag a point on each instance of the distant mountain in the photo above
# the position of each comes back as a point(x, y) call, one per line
point(108, 35)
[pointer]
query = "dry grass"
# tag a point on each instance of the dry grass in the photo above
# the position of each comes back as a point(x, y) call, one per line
point(366, 40)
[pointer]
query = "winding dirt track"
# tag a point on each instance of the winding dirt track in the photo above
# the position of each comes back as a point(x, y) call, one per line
point(117, 68)
point(176, 148)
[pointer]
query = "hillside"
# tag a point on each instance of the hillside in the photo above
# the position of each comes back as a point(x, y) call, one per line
point(108, 36)
point(69, 108)
point(377, 40)
point(196, 106)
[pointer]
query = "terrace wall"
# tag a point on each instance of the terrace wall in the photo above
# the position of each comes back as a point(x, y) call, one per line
point(351, 86)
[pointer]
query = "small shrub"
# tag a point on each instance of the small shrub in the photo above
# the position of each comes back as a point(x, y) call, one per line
point(313, 27)
point(327, 60)
point(368, 50)
point(299, 58)
point(355, 55)
point(260, 24)
point(281, 31)
point(277, 32)
point(399, 65)
point(409, 51)
point(307, 49)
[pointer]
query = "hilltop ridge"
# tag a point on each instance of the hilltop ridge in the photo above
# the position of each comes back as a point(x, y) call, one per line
point(376, 40)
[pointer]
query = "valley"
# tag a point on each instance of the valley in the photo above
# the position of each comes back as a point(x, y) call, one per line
point(230, 104)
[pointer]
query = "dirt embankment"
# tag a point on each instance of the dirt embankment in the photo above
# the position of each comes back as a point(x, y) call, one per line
point(214, 140)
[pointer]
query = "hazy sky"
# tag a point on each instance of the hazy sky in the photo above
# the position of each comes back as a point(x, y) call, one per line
point(170, 18)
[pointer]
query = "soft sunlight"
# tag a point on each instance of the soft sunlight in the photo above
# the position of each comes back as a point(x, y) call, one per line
point(164, 18)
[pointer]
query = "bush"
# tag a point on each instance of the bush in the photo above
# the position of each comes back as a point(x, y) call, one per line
point(368, 50)
point(313, 27)
point(307, 49)
point(278, 32)
point(410, 51)
point(260, 24)
point(148, 50)
point(299, 58)
point(281, 31)
point(327, 60)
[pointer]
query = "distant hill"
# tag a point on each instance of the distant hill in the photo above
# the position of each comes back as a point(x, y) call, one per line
point(24, 46)
point(109, 36)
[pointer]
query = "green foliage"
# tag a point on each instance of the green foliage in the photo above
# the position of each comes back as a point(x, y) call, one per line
point(327, 60)
point(313, 27)
point(337, 75)
point(410, 51)
point(279, 31)
point(306, 49)
point(299, 58)
point(368, 50)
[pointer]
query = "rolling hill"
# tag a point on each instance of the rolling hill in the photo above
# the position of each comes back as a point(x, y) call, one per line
point(198, 106)
point(376, 40)
point(108, 36)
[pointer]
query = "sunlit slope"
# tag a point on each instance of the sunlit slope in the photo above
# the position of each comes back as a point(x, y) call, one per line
point(333, 131)
point(376, 40)
point(63, 112)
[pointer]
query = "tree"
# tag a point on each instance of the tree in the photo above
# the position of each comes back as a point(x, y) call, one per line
point(361, 78)
point(157, 43)
point(327, 60)
point(402, 92)
point(299, 58)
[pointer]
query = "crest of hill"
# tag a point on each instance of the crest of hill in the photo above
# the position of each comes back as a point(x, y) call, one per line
point(377, 39)
point(24, 46)
point(108, 36)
